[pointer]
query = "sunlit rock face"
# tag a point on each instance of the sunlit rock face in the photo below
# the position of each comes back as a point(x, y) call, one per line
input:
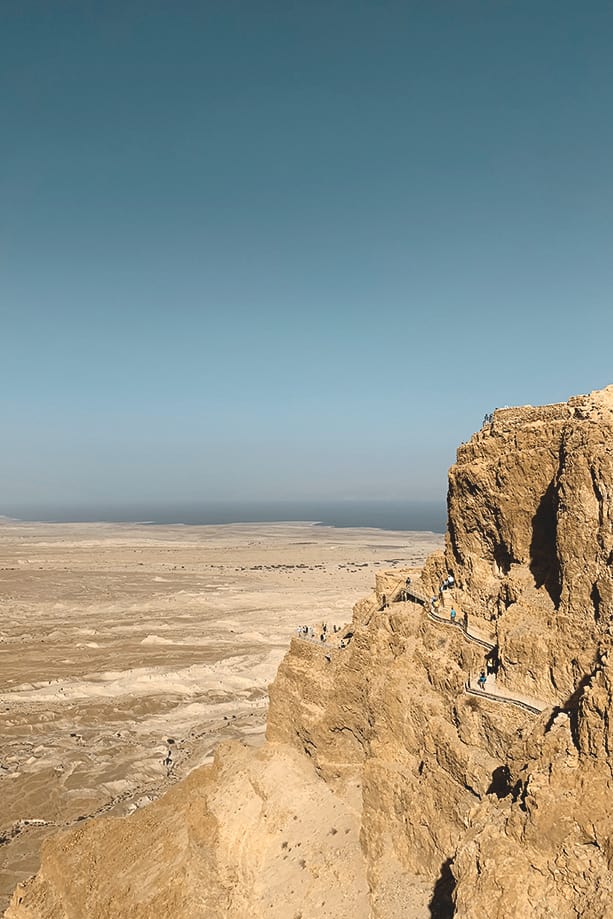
point(413, 797)
point(530, 537)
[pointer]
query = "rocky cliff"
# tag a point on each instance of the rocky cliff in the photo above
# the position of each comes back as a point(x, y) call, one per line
point(390, 784)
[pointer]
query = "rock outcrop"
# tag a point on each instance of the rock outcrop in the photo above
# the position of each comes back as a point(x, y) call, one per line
point(385, 789)
point(255, 834)
point(530, 537)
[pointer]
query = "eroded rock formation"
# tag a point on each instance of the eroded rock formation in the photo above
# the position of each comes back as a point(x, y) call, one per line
point(384, 788)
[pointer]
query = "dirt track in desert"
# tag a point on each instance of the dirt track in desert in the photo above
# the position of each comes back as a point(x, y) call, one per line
point(128, 651)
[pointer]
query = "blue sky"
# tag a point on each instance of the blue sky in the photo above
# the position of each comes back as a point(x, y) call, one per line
point(293, 250)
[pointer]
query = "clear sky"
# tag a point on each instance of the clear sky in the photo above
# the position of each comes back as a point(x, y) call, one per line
point(255, 249)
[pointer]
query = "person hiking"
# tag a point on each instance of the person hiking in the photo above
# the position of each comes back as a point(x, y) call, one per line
point(452, 614)
point(482, 679)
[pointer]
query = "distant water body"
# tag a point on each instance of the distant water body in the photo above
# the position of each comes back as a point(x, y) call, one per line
point(384, 515)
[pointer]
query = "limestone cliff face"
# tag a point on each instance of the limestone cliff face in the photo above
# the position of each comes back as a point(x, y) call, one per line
point(547, 848)
point(256, 834)
point(446, 803)
point(530, 538)
point(389, 712)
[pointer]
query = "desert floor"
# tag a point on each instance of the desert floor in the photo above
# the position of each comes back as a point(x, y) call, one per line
point(127, 652)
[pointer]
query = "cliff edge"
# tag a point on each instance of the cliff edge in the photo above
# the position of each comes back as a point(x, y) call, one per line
point(393, 783)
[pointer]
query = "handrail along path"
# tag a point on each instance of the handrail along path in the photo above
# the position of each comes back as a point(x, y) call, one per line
point(409, 593)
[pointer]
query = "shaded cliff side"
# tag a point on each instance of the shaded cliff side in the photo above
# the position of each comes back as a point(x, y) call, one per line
point(390, 787)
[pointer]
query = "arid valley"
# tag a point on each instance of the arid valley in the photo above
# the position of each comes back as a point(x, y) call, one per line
point(127, 652)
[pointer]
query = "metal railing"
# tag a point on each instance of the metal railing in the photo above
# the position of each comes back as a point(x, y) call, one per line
point(409, 593)
point(445, 620)
point(508, 700)
point(483, 642)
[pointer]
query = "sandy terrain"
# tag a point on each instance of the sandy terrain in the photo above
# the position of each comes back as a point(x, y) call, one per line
point(127, 652)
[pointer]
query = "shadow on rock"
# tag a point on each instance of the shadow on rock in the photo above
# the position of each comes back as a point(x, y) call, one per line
point(441, 905)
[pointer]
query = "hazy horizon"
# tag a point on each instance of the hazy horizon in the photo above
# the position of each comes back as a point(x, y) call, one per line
point(261, 252)
point(384, 515)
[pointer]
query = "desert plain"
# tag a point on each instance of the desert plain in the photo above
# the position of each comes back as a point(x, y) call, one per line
point(127, 652)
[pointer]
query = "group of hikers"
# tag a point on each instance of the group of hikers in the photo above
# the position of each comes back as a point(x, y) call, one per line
point(307, 631)
point(448, 583)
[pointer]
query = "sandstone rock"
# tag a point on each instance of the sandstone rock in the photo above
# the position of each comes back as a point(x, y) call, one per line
point(255, 834)
point(464, 806)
